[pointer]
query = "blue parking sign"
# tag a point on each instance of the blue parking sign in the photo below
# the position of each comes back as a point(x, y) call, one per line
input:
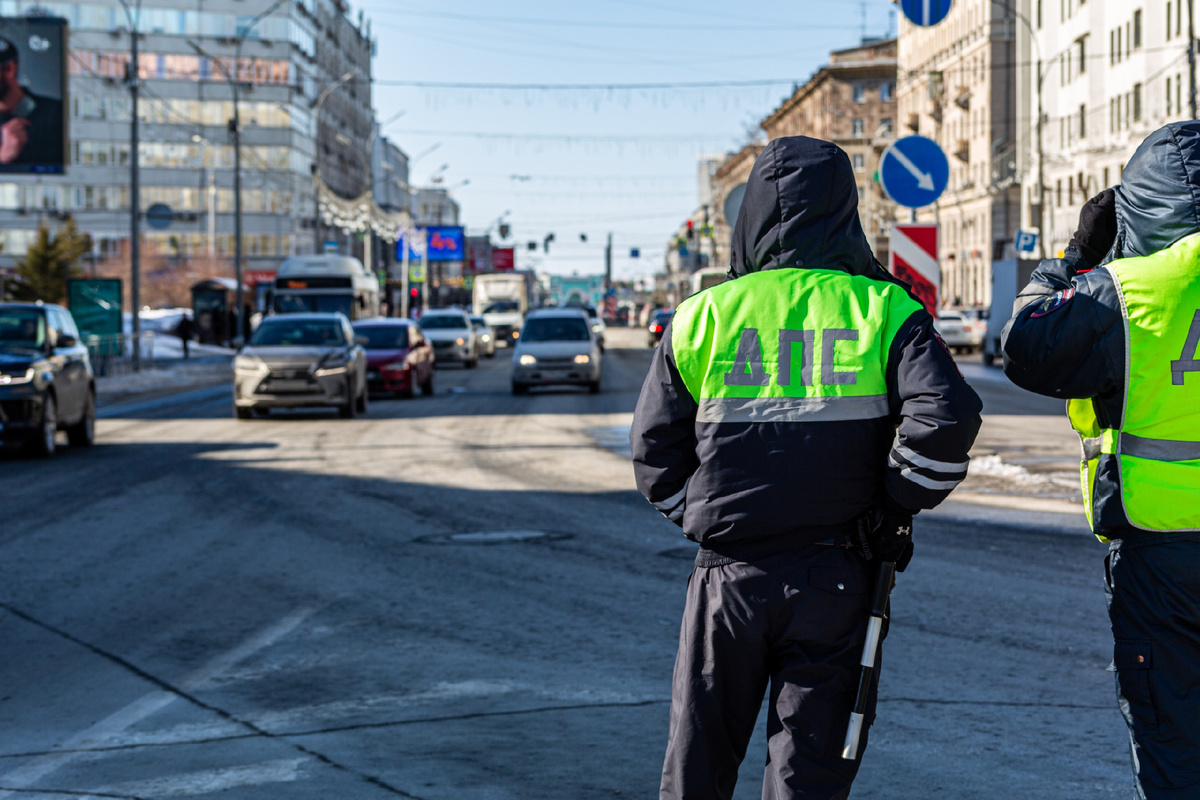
point(1026, 242)
point(925, 13)
point(914, 171)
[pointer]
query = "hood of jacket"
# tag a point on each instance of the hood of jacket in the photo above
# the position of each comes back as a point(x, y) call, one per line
point(1158, 201)
point(800, 211)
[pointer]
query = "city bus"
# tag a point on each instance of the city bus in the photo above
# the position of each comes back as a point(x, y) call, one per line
point(325, 283)
point(707, 278)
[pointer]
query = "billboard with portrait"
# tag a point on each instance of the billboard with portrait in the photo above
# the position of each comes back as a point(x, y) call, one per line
point(33, 95)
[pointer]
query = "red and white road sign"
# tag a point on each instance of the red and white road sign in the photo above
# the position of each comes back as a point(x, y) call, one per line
point(913, 259)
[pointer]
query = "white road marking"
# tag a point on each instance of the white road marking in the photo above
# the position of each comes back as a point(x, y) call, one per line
point(110, 729)
point(190, 784)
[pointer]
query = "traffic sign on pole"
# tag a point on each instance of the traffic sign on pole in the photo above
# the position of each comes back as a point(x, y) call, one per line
point(925, 12)
point(913, 258)
point(914, 171)
point(1026, 242)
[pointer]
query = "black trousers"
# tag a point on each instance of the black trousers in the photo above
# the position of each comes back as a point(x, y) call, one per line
point(1153, 592)
point(795, 621)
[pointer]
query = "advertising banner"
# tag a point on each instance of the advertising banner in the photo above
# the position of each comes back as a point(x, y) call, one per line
point(503, 259)
point(95, 303)
point(444, 243)
point(33, 95)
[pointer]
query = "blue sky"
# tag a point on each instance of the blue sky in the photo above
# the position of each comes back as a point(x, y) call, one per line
point(591, 161)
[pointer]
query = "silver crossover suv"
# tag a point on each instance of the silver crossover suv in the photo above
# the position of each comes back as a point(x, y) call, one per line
point(300, 360)
point(556, 346)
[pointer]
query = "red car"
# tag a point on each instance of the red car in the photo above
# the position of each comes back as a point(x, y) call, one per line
point(399, 357)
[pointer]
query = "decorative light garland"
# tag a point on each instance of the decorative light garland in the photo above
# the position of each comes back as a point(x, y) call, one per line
point(359, 214)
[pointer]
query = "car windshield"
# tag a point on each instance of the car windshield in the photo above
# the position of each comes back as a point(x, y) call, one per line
point(478, 322)
point(502, 307)
point(383, 337)
point(556, 329)
point(441, 322)
point(323, 303)
point(663, 317)
point(284, 332)
point(22, 329)
point(591, 312)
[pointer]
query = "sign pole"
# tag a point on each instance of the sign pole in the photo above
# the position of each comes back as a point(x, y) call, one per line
point(404, 246)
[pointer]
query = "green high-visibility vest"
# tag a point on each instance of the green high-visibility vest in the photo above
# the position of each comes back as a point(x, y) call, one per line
point(790, 345)
point(1157, 441)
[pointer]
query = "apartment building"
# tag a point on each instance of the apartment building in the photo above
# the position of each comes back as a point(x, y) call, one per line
point(957, 85)
point(186, 153)
point(852, 102)
point(1112, 71)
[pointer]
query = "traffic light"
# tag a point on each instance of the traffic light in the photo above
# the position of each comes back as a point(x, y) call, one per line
point(546, 242)
point(691, 231)
point(414, 293)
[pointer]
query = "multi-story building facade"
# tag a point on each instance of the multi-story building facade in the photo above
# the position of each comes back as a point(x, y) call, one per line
point(957, 85)
point(1112, 71)
point(187, 50)
point(852, 102)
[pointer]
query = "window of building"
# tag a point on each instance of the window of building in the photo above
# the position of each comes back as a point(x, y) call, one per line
point(1128, 39)
point(1112, 47)
point(1058, 193)
point(1039, 14)
point(858, 93)
point(1081, 46)
point(1168, 95)
point(1178, 93)
point(1137, 102)
point(857, 127)
point(1137, 29)
point(1082, 121)
point(887, 91)
point(1112, 115)
point(1178, 25)
point(1104, 173)
point(859, 162)
point(885, 125)
point(1169, 19)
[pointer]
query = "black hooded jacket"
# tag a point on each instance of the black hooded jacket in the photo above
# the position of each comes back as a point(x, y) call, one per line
point(1067, 335)
point(747, 488)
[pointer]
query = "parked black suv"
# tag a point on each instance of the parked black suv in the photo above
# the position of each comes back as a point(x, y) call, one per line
point(46, 380)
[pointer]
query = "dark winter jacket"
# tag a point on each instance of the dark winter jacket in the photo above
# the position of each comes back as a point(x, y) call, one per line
point(1067, 335)
point(765, 481)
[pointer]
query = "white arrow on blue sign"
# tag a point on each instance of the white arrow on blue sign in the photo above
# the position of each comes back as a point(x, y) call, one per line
point(914, 171)
point(925, 12)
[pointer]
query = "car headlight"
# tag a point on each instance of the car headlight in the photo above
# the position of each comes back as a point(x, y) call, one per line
point(397, 366)
point(332, 366)
point(8, 380)
point(249, 364)
point(582, 358)
point(527, 360)
point(486, 338)
point(597, 326)
point(460, 340)
point(516, 334)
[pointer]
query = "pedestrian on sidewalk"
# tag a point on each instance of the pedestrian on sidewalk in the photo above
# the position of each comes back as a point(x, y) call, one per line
point(1113, 327)
point(185, 330)
point(793, 421)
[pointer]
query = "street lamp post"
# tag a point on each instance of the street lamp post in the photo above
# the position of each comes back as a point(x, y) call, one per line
point(235, 129)
point(132, 77)
point(321, 98)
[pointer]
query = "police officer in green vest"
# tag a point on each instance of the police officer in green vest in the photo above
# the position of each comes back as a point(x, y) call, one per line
point(1113, 328)
point(793, 421)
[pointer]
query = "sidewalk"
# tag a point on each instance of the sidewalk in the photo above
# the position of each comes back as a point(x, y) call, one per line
point(165, 378)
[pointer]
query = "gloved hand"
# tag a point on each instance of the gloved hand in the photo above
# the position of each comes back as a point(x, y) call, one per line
point(1097, 228)
point(886, 535)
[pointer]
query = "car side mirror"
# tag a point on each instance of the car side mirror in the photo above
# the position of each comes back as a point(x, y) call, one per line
point(361, 340)
point(66, 340)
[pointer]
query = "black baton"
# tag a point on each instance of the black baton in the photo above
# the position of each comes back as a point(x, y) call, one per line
point(884, 581)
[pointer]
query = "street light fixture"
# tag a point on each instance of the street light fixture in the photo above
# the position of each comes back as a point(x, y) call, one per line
point(235, 129)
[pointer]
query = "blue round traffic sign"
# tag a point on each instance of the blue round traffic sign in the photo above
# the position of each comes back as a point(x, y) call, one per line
point(925, 12)
point(914, 171)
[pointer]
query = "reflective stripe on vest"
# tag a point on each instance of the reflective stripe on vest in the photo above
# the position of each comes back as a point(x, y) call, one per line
point(790, 346)
point(1157, 441)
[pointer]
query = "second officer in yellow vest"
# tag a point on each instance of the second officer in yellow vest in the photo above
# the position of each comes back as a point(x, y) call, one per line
point(1114, 329)
point(783, 410)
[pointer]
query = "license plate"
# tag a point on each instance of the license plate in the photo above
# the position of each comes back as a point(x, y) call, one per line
point(289, 386)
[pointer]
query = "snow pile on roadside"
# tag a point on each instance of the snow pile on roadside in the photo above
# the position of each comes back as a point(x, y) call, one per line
point(993, 473)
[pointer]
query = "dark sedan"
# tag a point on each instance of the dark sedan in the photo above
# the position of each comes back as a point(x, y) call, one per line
point(46, 381)
point(658, 324)
point(399, 357)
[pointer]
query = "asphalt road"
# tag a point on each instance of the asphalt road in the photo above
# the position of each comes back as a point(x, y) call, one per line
point(463, 597)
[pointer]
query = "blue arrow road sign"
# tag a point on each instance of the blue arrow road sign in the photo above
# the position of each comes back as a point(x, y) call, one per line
point(914, 171)
point(925, 12)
